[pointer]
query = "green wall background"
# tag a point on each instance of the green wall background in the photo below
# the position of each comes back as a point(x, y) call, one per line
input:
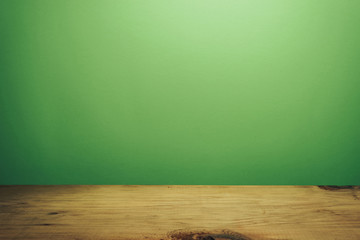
point(180, 92)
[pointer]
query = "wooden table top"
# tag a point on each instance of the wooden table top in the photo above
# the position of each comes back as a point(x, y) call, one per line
point(179, 212)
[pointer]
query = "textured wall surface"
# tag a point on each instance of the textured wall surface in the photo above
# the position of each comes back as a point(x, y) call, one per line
point(179, 92)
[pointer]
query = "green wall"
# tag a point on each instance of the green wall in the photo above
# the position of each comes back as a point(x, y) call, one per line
point(179, 92)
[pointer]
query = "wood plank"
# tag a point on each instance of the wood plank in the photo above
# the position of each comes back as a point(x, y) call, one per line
point(179, 212)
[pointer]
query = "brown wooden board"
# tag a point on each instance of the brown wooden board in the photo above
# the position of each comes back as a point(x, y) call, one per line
point(180, 212)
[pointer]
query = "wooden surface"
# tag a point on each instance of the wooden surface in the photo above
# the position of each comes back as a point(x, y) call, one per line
point(179, 212)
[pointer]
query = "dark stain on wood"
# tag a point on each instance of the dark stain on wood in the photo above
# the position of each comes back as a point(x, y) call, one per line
point(336, 187)
point(203, 235)
point(353, 188)
point(43, 224)
point(53, 213)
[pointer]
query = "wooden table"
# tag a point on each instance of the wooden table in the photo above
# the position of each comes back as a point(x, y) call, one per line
point(179, 212)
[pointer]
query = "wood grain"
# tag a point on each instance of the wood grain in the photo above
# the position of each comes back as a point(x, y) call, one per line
point(179, 212)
